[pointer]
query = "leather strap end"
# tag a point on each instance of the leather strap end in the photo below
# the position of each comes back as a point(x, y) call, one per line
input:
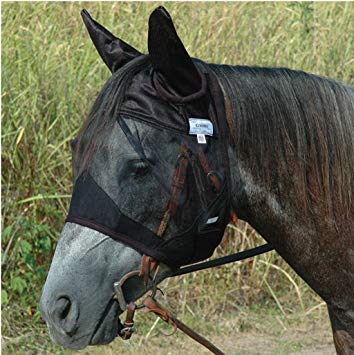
point(129, 320)
point(153, 306)
point(147, 265)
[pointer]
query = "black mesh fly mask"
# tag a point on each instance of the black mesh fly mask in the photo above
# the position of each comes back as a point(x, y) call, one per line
point(167, 194)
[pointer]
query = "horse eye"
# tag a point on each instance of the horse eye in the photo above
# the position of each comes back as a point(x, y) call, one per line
point(139, 168)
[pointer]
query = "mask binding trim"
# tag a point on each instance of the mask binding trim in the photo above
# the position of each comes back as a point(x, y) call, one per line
point(141, 248)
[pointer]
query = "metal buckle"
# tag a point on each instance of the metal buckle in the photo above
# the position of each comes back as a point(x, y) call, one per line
point(126, 333)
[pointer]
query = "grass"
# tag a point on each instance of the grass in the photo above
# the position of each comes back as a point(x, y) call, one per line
point(50, 76)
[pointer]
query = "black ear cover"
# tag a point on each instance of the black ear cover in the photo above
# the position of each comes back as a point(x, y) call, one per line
point(114, 52)
point(169, 56)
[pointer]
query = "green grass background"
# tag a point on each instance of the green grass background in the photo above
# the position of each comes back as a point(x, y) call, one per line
point(51, 74)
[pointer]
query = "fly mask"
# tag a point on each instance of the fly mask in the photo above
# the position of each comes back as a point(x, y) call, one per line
point(181, 147)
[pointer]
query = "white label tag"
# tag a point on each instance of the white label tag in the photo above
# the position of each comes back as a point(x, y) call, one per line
point(201, 138)
point(212, 220)
point(200, 126)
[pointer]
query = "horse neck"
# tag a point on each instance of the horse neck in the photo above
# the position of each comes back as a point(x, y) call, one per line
point(254, 202)
point(290, 139)
point(267, 196)
point(272, 208)
point(287, 182)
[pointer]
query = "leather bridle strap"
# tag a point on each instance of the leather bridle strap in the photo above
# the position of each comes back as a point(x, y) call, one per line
point(148, 264)
point(153, 306)
point(214, 179)
point(128, 326)
point(178, 181)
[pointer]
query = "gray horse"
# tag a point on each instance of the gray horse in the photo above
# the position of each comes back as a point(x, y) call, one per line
point(289, 174)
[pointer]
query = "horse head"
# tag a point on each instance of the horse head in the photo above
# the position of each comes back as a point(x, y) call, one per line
point(150, 178)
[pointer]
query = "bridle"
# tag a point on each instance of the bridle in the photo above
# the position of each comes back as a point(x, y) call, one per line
point(149, 267)
point(92, 207)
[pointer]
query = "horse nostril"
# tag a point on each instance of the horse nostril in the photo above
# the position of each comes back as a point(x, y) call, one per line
point(65, 305)
point(65, 315)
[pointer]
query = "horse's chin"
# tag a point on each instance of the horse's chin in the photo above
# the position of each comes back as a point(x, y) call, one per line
point(107, 328)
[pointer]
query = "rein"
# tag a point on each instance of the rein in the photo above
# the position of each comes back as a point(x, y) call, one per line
point(149, 265)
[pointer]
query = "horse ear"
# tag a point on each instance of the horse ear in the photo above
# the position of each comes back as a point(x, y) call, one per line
point(114, 52)
point(169, 56)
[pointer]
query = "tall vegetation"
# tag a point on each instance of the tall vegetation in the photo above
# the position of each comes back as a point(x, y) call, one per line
point(50, 76)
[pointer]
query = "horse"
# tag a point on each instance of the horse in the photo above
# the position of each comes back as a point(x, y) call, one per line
point(171, 146)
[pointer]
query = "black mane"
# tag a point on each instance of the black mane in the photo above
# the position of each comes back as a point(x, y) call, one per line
point(291, 122)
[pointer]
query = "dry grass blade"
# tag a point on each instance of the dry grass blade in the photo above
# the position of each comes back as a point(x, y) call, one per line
point(297, 289)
